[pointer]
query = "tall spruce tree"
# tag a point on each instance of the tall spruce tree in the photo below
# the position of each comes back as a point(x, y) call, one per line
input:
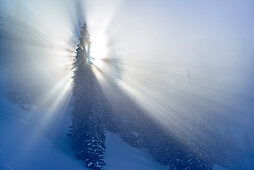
point(87, 130)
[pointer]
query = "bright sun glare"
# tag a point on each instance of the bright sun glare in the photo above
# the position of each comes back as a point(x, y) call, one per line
point(99, 49)
point(99, 46)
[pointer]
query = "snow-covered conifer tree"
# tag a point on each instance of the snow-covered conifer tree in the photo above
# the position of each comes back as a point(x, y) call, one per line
point(87, 130)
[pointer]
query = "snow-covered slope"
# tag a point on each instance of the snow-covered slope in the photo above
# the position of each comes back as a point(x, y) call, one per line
point(23, 145)
point(27, 146)
point(119, 155)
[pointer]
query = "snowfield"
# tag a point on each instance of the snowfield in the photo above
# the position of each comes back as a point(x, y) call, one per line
point(119, 154)
point(24, 145)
